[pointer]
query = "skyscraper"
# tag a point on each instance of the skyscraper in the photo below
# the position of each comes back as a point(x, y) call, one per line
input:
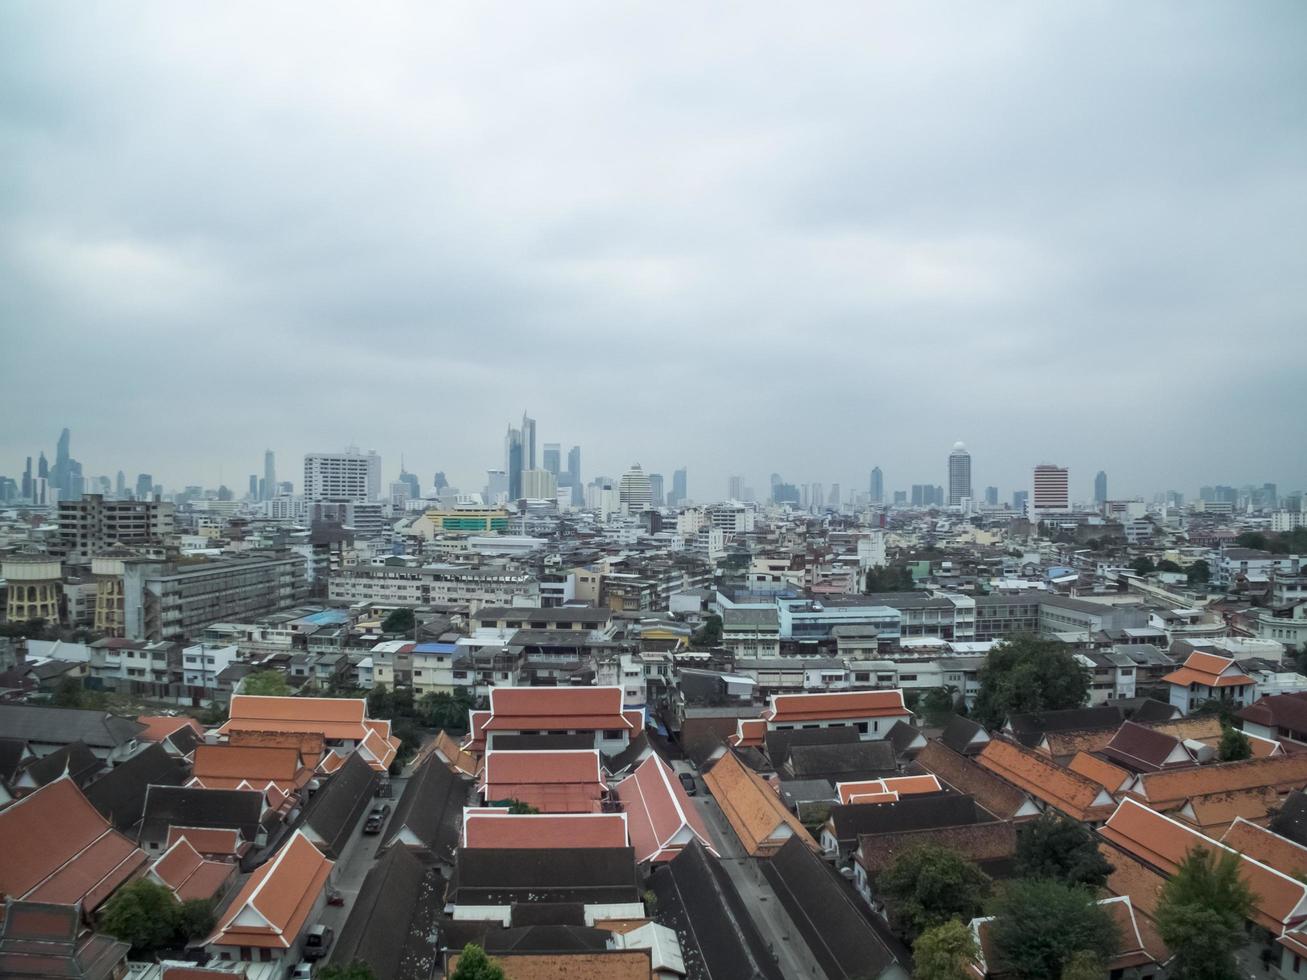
point(1019, 500)
point(833, 498)
point(680, 482)
point(574, 476)
point(119, 487)
point(144, 486)
point(634, 489)
point(513, 461)
point(440, 481)
point(350, 475)
point(552, 459)
point(656, 489)
point(43, 468)
point(27, 480)
point(735, 487)
point(528, 442)
point(1050, 490)
point(269, 474)
point(991, 496)
point(254, 486)
point(60, 476)
point(877, 485)
point(1100, 487)
point(959, 475)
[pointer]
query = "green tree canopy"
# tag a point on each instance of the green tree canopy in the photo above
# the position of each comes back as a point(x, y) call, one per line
point(474, 964)
point(709, 634)
point(943, 952)
point(1199, 572)
point(1166, 565)
point(1201, 913)
point(1252, 539)
point(357, 970)
point(927, 885)
point(938, 704)
point(143, 914)
point(1143, 565)
point(1084, 965)
point(399, 621)
point(195, 918)
point(1040, 925)
point(1027, 673)
point(891, 578)
point(268, 683)
point(68, 693)
point(1055, 847)
point(1234, 745)
point(518, 807)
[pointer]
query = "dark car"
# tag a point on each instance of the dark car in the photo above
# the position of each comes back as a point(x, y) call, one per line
point(687, 781)
point(318, 941)
point(376, 818)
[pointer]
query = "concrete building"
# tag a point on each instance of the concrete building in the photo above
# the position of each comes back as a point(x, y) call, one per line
point(92, 524)
point(1050, 491)
point(959, 475)
point(877, 486)
point(107, 571)
point(634, 490)
point(34, 586)
point(539, 485)
point(404, 584)
point(349, 475)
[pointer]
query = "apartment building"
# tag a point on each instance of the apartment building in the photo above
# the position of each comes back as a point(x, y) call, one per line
point(400, 583)
point(350, 475)
point(93, 524)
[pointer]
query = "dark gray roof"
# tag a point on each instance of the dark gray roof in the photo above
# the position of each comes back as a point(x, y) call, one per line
point(184, 739)
point(857, 760)
point(119, 794)
point(779, 743)
point(796, 791)
point(42, 940)
point(905, 738)
point(60, 726)
point(1150, 710)
point(959, 733)
point(11, 755)
point(335, 809)
point(1291, 821)
point(538, 743)
point(823, 909)
point(750, 617)
point(591, 875)
point(431, 808)
point(628, 757)
point(697, 901)
point(76, 759)
point(917, 812)
point(165, 806)
point(394, 917)
point(1141, 749)
point(559, 614)
point(1030, 728)
point(546, 938)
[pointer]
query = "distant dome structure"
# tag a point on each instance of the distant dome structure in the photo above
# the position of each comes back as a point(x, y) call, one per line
point(959, 447)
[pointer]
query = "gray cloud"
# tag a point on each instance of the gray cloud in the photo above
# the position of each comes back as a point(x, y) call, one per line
point(728, 237)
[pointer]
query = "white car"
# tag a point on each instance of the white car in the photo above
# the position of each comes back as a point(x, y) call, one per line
point(303, 970)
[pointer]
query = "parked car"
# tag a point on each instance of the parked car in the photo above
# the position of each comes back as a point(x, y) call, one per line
point(303, 970)
point(376, 818)
point(687, 781)
point(318, 941)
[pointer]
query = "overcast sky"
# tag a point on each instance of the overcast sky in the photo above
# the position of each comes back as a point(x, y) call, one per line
point(742, 237)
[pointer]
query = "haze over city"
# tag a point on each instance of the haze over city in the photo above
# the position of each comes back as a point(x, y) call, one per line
point(728, 239)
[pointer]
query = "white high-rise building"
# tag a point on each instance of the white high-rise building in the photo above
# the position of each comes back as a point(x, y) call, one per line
point(634, 489)
point(539, 485)
point(1050, 492)
point(959, 475)
point(351, 475)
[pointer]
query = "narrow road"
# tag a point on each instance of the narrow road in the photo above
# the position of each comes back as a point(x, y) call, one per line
point(356, 860)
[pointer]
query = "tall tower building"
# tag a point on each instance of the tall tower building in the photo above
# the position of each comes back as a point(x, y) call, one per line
point(877, 486)
point(634, 489)
point(254, 486)
point(1100, 488)
point(119, 486)
point(552, 459)
point(528, 442)
point(350, 475)
point(269, 474)
point(513, 462)
point(574, 476)
point(656, 489)
point(60, 476)
point(680, 482)
point(959, 475)
point(27, 480)
point(1050, 492)
point(144, 486)
point(735, 487)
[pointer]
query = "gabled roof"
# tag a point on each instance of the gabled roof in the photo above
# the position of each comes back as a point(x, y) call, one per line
point(60, 726)
point(1210, 671)
point(1143, 749)
point(996, 795)
point(1111, 778)
point(1279, 711)
point(453, 755)
point(119, 794)
point(55, 847)
point(755, 812)
point(779, 744)
point(982, 843)
point(1212, 814)
point(159, 727)
point(188, 875)
point(186, 806)
point(588, 876)
point(1029, 727)
point(1284, 855)
point(857, 760)
point(749, 733)
point(822, 907)
point(333, 718)
point(1071, 793)
point(210, 840)
point(235, 766)
point(333, 811)
point(905, 738)
point(848, 823)
point(273, 907)
point(1158, 840)
point(842, 706)
point(47, 940)
point(1291, 821)
point(500, 829)
point(569, 781)
point(964, 736)
point(854, 791)
point(429, 810)
point(661, 816)
point(612, 964)
point(310, 745)
point(719, 940)
point(75, 760)
point(392, 919)
point(1168, 788)
point(546, 708)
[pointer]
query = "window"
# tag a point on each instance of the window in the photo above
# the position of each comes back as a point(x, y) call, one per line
point(612, 734)
point(862, 727)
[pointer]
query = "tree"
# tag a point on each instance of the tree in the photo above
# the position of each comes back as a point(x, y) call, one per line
point(399, 621)
point(1040, 925)
point(927, 885)
point(357, 970)
point(944, 952)
point(474, 964)
point(1028, 674)
point(1055, 847)
point(709, 634)
point(195, 918)
point(143, 914)
point(68, 694)
point(1084, 965)
point(1199, 572)
point(1234, 745)
point(270, 683)
point(518, 807)
point(1166, 565)
point(1252, 539)
point(1143, 565)
point(892, 578)
point(1201, 912)
point(938, 704)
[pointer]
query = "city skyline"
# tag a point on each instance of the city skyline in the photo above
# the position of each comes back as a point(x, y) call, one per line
point(894, 222)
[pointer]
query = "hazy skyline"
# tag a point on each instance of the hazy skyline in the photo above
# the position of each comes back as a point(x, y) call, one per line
point(736, 238)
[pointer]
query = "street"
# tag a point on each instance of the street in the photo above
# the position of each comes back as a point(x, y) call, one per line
point(356, 860)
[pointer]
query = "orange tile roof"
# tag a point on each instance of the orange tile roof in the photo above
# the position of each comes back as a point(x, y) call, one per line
point(1037, 774)
point(1062, 744)
point(562, 781)
point(1268, 847)
point(842, 706)
point(281, 893)
point(457, 758)
point(330, 763)
point(662, 818)
point(961, 772)
point(749, 733)
point(544, 708)
point(55, 847)
point(335, 718)
point(1130, 876)
point(1213, 813)
point(256, 764)
point(476, 736)
point(1184, 677)
point(1111, 778)
point(755, 812)
point(188, 875)
point(311, 745)
point(377, 750)
point(1279, 900)
point(159, 727)
point(1208, 663)
point(209, 840)
point(611, 965)
point(1165, 790)
point(892, 788)
point(514, 831)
